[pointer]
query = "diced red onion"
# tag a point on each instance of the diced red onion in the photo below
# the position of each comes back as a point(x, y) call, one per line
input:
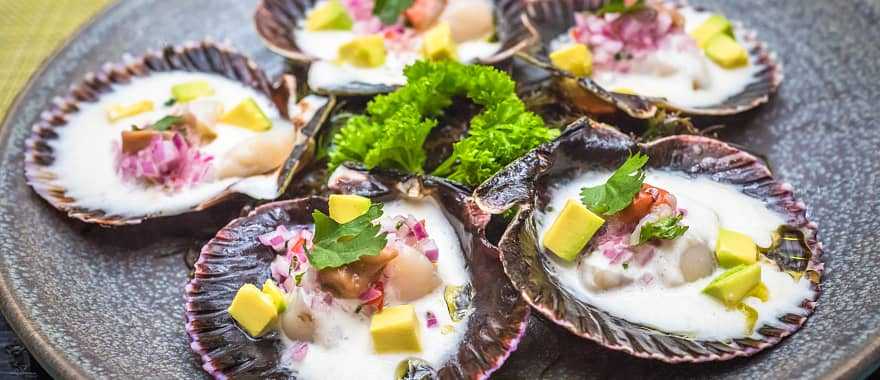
point(370, 294)
point(417, 227)
point(429, 248)
point(299, 351)
point(280, 268)
point(171, 163)
point(431, 320)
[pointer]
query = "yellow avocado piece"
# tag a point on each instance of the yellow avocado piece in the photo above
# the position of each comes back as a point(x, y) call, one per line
point(572, 230)
point(332, 15)
point(575, 58)
point(254, 310)
point(248, 115)
point(366, 51)
point(625, 90)
point(396, 329)
point(275, 293)
point(121, 111)
point(714, 25)
point(189, 91)
point(344, 208)
point(438, 43)
point(734, 284)
point(726, 52)
point(733, 248)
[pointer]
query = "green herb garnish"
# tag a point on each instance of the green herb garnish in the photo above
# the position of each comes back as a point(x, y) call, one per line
point(618, 192)
point(620, 6)
point(667, 228)
point(337, 244)
point(170, 102)
point(389, 11)
point(392, 133)
point(166, 123)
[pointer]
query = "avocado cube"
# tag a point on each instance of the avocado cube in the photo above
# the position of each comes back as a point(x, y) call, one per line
point(248, 115)
point(366, 51)
point(625, 91)
point(332, 15)
point(254, 310)
point(275, 293)
point(121, 111)
point(575, 58)
point(438, 43)
point(572, 230)
point(733, 248)
point(190, 91)
point(344, 208)
point(726, 52)
point(395, 329)
point(714, 25)
point(734, 284)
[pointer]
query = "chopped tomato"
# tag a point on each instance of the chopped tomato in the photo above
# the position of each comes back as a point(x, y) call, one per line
point(645, 200)
point(423, 13)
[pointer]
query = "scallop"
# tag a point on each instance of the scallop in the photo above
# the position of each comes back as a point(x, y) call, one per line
point(551, 19)
point(694, 166)
point(73, 161)
point(495, 316)
point(410, 275)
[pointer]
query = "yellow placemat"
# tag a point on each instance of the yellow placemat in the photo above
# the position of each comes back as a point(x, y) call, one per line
point(30, 30)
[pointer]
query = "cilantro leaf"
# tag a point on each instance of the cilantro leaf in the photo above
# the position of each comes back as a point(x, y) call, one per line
point(620, 6)
point(166, 122)
point(337, 244)
point(667, 228)
point(389, 10)
point(618, 192)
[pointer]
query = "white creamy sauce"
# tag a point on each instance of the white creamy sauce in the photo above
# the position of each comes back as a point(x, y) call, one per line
point(86, 163)
point(328, 72)
point(673, 74)
point(343, 347)
point(683, 309)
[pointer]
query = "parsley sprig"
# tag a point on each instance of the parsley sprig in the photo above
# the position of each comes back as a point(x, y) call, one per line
point(337, 244)
point(668, 228)
point(619, 190)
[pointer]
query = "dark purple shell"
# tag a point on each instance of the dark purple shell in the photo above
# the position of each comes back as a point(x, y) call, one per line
point(550, 18)
point(276, 22)
point(235, 257)
point(203, 56)
point(587, 145)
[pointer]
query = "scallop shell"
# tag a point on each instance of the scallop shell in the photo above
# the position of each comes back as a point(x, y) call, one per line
point(587, 144)
point(550, 18)
point(276, 22)
point(235, 257)
point(204, 56)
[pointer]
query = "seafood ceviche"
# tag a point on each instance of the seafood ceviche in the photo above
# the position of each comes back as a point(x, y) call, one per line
point(439, 169)
point(362, 281)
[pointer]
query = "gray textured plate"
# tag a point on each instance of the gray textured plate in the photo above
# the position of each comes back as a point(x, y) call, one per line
point(91, 302)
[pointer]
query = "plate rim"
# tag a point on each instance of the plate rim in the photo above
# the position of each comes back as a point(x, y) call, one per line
point(56, 363)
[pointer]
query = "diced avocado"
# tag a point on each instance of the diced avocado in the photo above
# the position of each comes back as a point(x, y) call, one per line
point(714, 25)
point(572, 230)
point(332, 15)
point(248, 115)
point(366, 51)
point(625, 90)
point(344, 208)
point(760, 292)
point(395, 329)
point(189, 91)
point(254, 310)
point(438, 43)
point(733, 248)
point(734, 284)
point(276, 294)
point(575, 58)
point(120, 111)
point(726, 52)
